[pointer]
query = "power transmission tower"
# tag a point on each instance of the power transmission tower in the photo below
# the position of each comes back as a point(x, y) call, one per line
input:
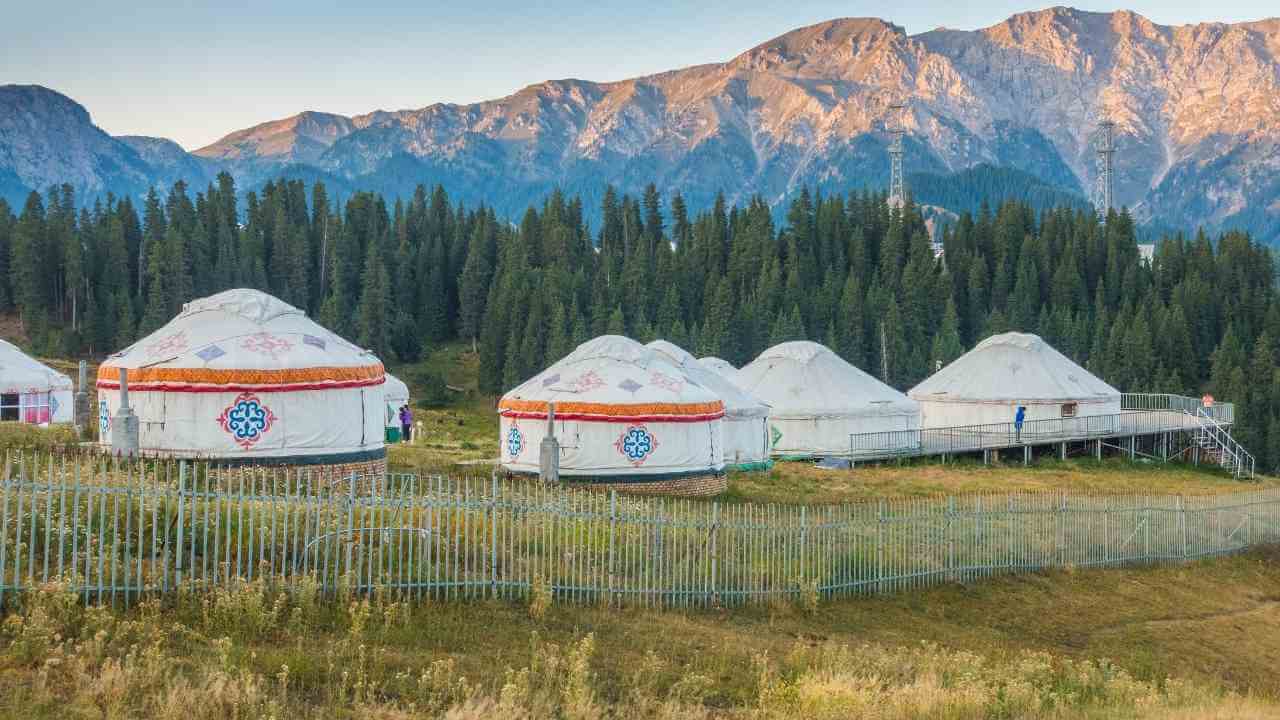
point(897, 186)
point(1103, 189)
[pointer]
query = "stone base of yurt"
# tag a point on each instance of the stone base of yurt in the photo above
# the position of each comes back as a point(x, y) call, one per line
point(687, 486)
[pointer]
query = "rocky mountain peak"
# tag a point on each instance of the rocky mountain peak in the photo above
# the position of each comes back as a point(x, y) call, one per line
point(1196, 109)
point(302, 137)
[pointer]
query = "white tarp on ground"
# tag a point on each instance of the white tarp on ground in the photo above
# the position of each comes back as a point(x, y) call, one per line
point(396, 394)
point(242, 375)
point(817, 400)
point(32, 392)
point(621, 411)
point(988, 383)
point(723, 368)
point(746, 427)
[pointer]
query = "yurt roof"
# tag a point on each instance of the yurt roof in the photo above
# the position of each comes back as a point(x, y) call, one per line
point(242, 338)
point(736, 402)
point(609, 377)
point(1013, 366)
point(21, 373)
point(395, 390)
point(721, 366)
point(806, 379)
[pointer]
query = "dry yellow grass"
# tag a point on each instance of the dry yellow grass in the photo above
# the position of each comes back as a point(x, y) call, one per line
point(802, 482)
point(1172, 643)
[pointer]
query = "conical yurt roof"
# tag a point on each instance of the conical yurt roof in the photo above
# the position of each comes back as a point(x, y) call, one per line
point(243, 338)
point(721, 367)
point(21, 373)
point(609, 375)
point(805, 379)
point(1013, 366)
point(736, 402)
point(395, 390)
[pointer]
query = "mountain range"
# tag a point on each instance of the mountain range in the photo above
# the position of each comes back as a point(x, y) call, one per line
point(1196, 108)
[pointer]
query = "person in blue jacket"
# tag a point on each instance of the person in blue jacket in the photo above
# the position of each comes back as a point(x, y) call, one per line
point(1017, 421)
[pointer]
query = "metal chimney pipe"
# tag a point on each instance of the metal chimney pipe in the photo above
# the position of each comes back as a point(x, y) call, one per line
point(124, 389)
point(549, 451)
point(124, 428)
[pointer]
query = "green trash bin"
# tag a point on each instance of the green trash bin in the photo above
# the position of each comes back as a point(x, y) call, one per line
point(393, 435)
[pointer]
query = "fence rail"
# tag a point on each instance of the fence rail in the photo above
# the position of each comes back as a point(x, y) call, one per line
point(971, 438)
point(1222, 412)
point(118, 532)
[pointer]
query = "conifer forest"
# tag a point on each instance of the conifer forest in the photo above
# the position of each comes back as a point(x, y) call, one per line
point(850, 271)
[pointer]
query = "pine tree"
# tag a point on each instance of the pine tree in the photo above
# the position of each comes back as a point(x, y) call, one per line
point(374, 304)
point(473, 285)
point(617, 322)
point(27, 266)
point(946, 344)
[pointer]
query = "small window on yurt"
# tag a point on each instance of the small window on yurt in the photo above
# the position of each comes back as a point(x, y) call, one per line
point(35, 408)
point(9, 407)
point(1069, 410)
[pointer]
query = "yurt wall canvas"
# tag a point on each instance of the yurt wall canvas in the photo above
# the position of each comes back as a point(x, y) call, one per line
point(244, 376)
point(989, 383)
point(746, 426)
point(622, 414)
point(817, 400)
point(32, 392)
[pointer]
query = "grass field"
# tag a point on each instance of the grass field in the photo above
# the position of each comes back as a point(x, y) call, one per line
point(1190, 641)
point(1194, 641)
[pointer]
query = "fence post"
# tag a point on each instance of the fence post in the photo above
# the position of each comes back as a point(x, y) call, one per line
point(1182, 523)
point(1146, 529)
point(951, 538)
point(493, 535)
point(715, 521)
point(880, 548)
point(351, 509)
point(182, 491)
point(613, 527)
point(804, 544)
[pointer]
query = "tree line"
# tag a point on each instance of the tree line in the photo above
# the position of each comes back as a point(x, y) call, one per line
point(851, 271)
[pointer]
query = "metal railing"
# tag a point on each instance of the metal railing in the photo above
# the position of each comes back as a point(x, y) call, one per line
point(1222, 412)
point(994, 436)
point(1232, 456)
point(117, 533)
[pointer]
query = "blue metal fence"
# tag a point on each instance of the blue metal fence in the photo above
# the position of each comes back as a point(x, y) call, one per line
point(119, 531)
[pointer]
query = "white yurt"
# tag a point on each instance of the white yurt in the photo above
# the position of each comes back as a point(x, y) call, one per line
point(987, 384)
point(624, 415)
point(817, 400)
point(32, 392)
point(723, 368)
point(395, 394)
point(243, 376)
point(746, 419)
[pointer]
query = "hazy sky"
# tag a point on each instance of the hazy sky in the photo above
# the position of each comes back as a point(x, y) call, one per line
point(194, 71)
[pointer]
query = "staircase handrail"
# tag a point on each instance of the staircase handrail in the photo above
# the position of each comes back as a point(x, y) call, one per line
point(1241, 460)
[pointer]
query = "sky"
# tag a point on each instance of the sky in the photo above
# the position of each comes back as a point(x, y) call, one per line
point(195, 71)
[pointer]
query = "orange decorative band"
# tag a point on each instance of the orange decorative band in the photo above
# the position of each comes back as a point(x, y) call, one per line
point(192, 379)
point(611, 412)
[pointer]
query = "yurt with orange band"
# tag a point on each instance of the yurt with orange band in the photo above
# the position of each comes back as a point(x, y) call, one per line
point(746, 419)
point(243, 377)
point(624, 416)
